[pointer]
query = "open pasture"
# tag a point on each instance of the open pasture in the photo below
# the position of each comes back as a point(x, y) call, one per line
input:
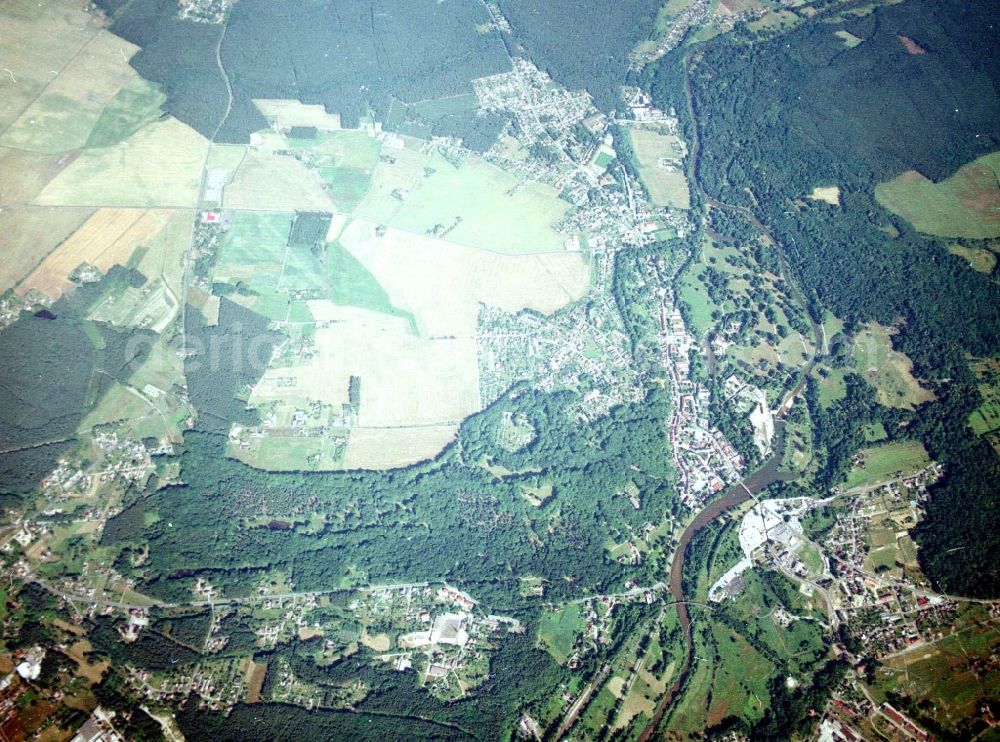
point(35, 39)
point(476, 204)
point(405, 380)
point(559, 630)
point(159, 165)
point(887, 370)
point(442, 284)
point(666, 186)
point(387, 448)
point(29, 233)
point(107, 238)
point(979, 259)
point(965, 205)
point(888, 461)
point(164, 257)
point(62, 117)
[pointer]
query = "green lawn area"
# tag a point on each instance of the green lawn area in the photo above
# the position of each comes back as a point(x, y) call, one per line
point(558, 631)
point(888, 461)
point(832, 388)
point(875, 432)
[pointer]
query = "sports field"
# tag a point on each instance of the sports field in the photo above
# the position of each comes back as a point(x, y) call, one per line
point(667, 186)
point(888, 370)
point(965, 205)
point(159, 165)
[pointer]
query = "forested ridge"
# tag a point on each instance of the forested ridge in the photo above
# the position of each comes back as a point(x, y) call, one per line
point(351, 56)
point(776, 119)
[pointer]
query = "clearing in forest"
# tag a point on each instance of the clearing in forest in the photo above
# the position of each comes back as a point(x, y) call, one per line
point(965, 205)
point(888, 461)
point(887, 370)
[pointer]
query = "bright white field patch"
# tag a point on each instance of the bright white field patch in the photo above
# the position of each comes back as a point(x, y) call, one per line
point(405, 380)
point(159, 165)
point(288, 113)
point(272, 182)
point(442, 283)
point(386, 448)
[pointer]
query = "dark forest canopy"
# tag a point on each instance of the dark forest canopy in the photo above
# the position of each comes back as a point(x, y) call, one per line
point(582, 44)
point(348, 55)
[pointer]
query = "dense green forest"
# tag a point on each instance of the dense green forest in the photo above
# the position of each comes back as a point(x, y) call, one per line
point(350, 55)
point(582, 44)
point(831, 121)
point(54, 366)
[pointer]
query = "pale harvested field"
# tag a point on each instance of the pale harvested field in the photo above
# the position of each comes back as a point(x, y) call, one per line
point(442, 283)
point(269, 182)
point(388, 448)
point(62, 117)
point(25, 174)
point(287, 113)
point(405, 380)
point(666, 187)
point(159, 165)
point(106, 239)
point(36, 38)
point(29, 233)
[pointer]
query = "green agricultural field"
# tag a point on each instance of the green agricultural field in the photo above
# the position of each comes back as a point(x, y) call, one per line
point(558, 631)
point(254, 249)
point(965, 205)
point(138, 103)
point(888, 461)
point(353, 285)
point(294, 453)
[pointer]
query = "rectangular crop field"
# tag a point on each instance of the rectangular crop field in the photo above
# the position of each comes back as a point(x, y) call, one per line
point(29, 233)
